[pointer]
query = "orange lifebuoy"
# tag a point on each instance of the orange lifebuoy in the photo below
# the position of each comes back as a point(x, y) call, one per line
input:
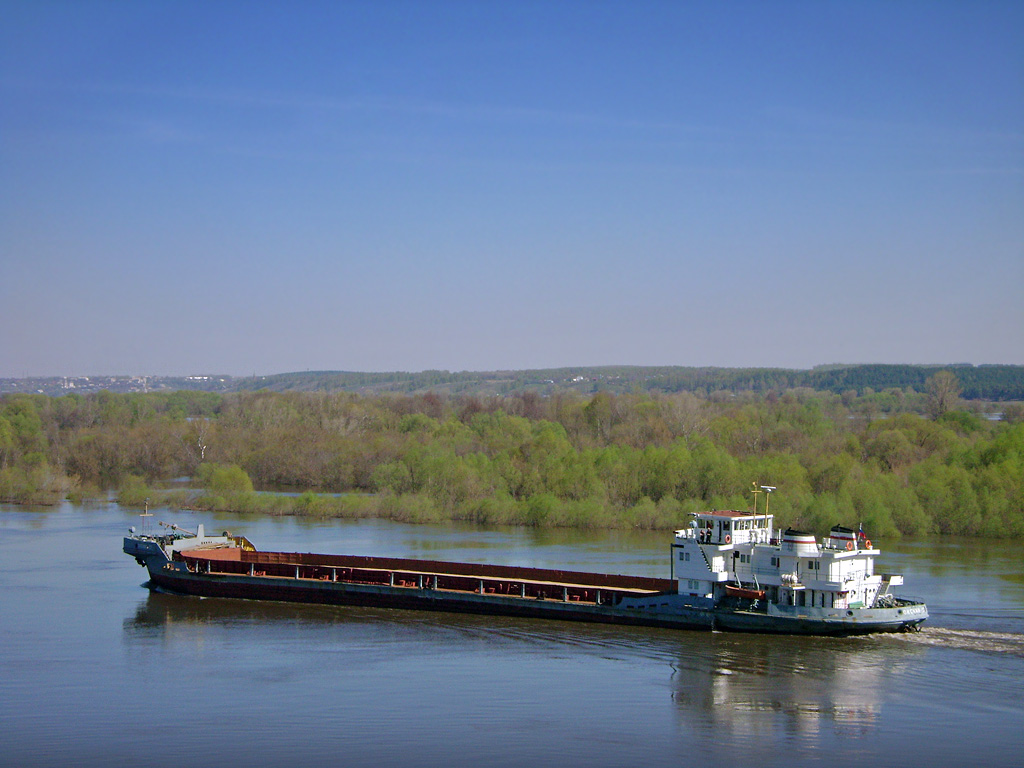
point(849, 546)
point(867, 544)
point(728, 539)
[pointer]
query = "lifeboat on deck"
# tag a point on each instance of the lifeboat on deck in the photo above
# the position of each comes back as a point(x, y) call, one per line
point(745, 592)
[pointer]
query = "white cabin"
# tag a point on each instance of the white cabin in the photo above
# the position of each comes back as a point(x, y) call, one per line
point(740, 554)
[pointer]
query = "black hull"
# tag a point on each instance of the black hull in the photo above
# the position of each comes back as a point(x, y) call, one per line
point(418, 600)
point(633, 613)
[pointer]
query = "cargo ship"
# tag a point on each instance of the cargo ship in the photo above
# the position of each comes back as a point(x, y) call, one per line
point(730, 570)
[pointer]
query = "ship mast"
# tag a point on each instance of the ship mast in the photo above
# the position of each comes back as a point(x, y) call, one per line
point(145, 515)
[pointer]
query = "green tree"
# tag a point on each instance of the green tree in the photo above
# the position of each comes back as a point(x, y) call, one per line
point(947, 496)
point(892, 449)
point(224, 478)
point(6, 441)
point(394, 476)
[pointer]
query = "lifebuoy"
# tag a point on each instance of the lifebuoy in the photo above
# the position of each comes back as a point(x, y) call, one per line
point(849, 546)
point(728, 539)
point(867, 544)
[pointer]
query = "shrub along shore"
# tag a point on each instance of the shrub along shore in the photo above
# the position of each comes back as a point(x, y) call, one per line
point(897, 461)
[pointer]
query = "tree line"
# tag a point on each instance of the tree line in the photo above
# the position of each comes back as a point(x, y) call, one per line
point(896, 461)
point(982, 382)
point(998, 383)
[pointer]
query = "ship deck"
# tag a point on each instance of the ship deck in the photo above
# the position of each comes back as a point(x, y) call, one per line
point(511, 581)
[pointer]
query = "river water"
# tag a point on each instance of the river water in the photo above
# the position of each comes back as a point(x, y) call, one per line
point(97, 671)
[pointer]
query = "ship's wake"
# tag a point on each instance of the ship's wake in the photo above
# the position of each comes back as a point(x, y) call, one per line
point(966, 640)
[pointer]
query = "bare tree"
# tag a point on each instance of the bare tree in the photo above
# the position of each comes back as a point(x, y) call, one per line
point(943, 393)
point(195, 441)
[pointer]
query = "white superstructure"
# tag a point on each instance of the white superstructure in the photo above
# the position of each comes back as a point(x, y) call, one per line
point(740, 554)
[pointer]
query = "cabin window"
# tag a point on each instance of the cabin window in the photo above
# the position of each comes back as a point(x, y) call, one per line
point(775, 562)
point(684, 557)
point(693, 584)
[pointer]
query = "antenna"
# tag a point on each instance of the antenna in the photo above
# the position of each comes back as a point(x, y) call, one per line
point(768, 494)
point(755, 492)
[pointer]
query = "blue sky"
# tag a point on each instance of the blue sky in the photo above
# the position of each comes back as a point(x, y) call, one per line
point(191, 187)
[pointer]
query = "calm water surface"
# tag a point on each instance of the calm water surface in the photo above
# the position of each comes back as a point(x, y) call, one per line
point(95, 670)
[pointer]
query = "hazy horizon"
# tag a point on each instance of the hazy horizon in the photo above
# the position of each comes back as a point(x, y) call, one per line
point(213, 373)
point(255, 188)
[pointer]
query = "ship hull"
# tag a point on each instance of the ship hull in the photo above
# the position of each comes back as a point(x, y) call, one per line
point(406, 598)
point(612, 604)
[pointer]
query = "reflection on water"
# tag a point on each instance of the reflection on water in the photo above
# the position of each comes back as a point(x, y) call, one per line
point(751, 685)
point(168, 617)
point(726, 687)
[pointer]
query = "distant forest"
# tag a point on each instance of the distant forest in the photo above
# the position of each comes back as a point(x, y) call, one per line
point(998, 383)
point(982, 382)
point(897, 460)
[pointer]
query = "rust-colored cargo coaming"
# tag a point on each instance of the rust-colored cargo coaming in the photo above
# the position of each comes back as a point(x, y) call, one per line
point(383, 582)
point(399, 573)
